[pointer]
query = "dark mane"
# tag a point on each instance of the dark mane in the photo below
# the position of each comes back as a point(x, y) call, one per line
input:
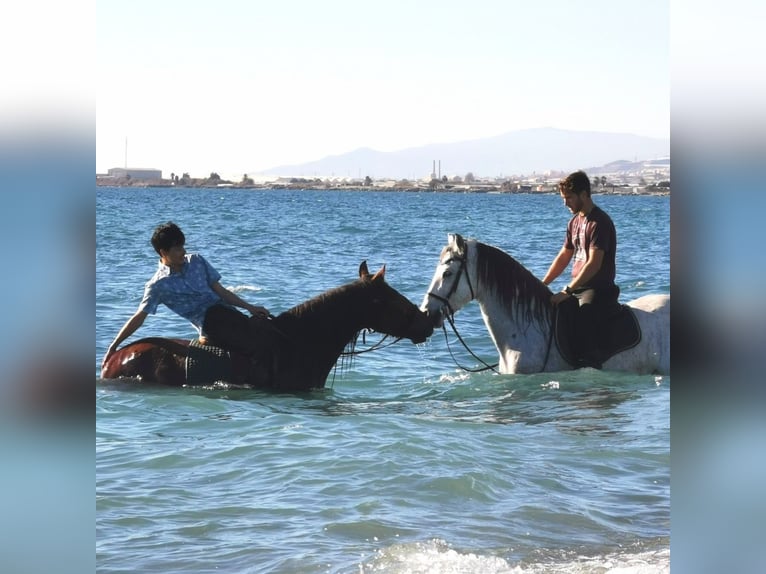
point(514, 285)
point(334, 301)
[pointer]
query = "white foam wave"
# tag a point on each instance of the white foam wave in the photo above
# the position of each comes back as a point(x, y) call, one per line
point(243, 288)
point(437, 557)
point(454, 378)
point(432, 557)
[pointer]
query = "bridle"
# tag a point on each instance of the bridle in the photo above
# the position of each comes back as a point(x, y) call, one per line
point(450, 318)
point(374, 347)
point(451, 312)
point(455, 284)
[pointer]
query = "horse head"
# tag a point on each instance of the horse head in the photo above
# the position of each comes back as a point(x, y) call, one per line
point(388, 311)
point(451, 287)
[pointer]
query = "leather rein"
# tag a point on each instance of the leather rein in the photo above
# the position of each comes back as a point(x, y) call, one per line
point(450, 318)
point(376, 346)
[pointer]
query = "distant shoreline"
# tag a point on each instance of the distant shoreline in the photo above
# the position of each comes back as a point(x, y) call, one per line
point(302, 186)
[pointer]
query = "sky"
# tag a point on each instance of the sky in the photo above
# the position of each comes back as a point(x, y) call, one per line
point(238, 86)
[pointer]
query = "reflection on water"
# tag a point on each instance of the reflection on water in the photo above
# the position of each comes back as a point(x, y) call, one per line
point(577, 405)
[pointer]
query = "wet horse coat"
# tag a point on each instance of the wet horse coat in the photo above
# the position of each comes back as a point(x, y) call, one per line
point(301, 345)
point(517, 311)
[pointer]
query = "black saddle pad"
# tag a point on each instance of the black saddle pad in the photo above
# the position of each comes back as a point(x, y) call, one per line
point(620, 332)
point(207, 364)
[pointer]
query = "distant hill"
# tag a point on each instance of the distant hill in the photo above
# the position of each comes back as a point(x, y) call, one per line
point(630, 166)
point(513, 153)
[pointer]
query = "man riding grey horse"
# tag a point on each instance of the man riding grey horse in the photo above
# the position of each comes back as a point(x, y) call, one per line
point(591, 240)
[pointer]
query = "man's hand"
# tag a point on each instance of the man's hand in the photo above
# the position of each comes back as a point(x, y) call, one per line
point(257, 311)
point(107, 356)
point(557, 298)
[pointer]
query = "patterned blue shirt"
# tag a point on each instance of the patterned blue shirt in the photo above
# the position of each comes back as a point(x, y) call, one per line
point(188, 292)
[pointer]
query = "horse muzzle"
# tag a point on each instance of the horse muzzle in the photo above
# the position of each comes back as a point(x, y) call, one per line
point(436, 309)
point(436, 316)
point(421, 327)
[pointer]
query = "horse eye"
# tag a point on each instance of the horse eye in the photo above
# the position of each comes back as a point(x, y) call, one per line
point(447, 273)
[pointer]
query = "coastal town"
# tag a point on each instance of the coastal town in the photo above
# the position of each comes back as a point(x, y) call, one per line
point(651, 177)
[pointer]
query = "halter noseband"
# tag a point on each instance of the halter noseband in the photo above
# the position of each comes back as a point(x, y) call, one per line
point(451, 313)
point(455, 284)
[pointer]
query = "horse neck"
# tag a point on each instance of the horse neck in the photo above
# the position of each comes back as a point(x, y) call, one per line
point(324, 325)
point(516, 309)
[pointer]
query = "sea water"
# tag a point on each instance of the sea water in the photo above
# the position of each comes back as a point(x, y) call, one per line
point(405, 462)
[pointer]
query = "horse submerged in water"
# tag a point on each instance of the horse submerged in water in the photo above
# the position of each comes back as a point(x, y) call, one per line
point(521, 320)
point(300, 346)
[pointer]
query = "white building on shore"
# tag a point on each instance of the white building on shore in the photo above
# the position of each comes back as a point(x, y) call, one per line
point(135, 173)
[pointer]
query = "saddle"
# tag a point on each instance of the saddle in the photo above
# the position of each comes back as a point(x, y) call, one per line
point(207, 364)
point(620, 331)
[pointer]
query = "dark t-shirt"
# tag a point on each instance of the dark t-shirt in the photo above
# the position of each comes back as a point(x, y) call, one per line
point(595, 229)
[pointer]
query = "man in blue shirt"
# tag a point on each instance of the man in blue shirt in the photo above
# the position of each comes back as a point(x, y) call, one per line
point(188, 285)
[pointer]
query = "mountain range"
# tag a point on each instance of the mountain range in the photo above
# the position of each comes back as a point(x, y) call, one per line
point(521, 152)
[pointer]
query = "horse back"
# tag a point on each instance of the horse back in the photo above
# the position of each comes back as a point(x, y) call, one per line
point(637, 341)
point(151, 359)
point(656, 304)
point(653, 315)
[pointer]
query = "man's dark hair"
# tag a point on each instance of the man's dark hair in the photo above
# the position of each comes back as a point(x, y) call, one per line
point(167, 235)
point(576, 182)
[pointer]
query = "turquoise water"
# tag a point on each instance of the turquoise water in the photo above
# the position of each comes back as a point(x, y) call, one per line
point(404, 463)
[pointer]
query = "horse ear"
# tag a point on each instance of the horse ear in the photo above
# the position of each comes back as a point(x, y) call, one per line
point(460, 242)
point(456, 238)
point(363, 272)
point(380, 274)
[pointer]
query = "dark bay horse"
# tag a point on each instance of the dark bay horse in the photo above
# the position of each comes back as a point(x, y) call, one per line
point(300, 346)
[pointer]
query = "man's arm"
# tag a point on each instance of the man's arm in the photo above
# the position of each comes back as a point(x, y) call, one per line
point(559, 264)
point(237, 301)
point(130, 327)
point(589, 270)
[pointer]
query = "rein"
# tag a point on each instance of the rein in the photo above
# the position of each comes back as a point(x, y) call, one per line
point(486, 367)
point(375, 347)
point(450, 317)
point(451, 313)
point(551, 329)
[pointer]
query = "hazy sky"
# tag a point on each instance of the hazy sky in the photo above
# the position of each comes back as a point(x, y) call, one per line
point(236, 86)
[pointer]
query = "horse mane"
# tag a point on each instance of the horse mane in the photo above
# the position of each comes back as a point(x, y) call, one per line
point(513, 284)
point(333, 300)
